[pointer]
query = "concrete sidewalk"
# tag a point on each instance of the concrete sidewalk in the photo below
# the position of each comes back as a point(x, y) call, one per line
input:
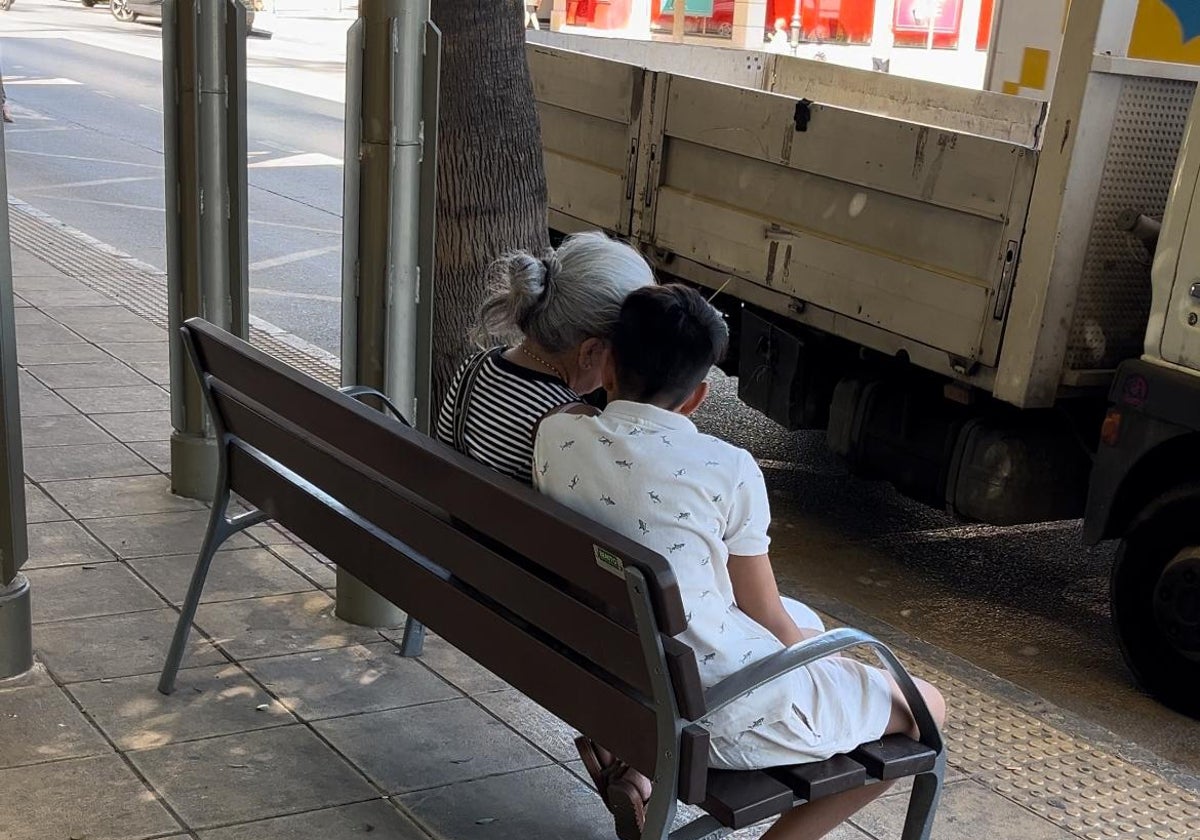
point(291, 724)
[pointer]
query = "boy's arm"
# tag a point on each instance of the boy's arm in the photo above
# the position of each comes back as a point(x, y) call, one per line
point(757, 595)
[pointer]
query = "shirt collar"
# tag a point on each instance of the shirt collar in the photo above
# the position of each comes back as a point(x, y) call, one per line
point(644, 414)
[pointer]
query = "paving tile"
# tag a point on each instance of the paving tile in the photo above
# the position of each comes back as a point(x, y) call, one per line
point(90, 460)
point(39, 401)
point(87, 375)
point(45, 334)
point(429, 746)
point(157, 372)
point(61, 430)
point(268, 534)
point(137, 426)
point(94, 498)
point(116, 333)
point(279, 625)
point(79, 316)
point(121, 399)
point(968, 811)
point(240, 573)
point(236, 778)
point(95, 798)
point(31, 274)
point(455, 666)
point(41, 724)
point(314, 567)
point(538, 725)
point(158, 534)
point(138, 351)
point(66, 297)
point(115, 646)
point(63, 544)
point(60, 354)
point(156, 452)
point(35, 677)
point(379, 819)
point(547, 803)
point(68, 592)
point(217, 700)
point(26, 315)
point(41, 508)
point(350, 680)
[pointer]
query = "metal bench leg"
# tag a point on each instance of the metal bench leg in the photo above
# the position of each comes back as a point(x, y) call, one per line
point(413, 644)
point(923, 802)
point(220, 528)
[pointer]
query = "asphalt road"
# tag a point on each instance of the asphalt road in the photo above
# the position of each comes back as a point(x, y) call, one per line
point(87, 148)
point(1029, 604)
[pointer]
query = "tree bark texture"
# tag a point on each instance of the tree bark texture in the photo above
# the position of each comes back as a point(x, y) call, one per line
point(491, 181)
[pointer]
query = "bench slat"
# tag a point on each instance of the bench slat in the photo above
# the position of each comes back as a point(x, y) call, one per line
point(894, 757)
point(532, 525)
point(741, 798)
point(822, 778)
point(584, 700)
point(357, 486)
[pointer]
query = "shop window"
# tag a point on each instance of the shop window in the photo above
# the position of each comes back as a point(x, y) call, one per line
point(826, 21)
point(924, 23)
point(701, 17)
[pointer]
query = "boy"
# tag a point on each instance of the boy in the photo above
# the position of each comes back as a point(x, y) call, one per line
point(642, 468)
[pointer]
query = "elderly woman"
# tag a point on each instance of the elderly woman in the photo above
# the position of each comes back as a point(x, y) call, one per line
point(560, 310)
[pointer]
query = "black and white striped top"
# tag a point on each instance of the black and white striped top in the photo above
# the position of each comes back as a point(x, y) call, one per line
point(505, 403)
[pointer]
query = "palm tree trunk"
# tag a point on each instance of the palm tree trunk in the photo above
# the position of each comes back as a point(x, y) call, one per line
point(491, 182)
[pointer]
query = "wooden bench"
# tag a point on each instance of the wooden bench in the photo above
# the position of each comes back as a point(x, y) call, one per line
point(580, 619)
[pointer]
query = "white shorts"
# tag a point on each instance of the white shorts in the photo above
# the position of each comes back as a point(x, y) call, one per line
point(837, 704)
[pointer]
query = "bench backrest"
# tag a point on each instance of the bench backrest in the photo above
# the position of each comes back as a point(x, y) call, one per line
point(527, 588)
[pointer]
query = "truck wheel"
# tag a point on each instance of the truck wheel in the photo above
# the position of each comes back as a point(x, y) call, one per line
point(1156, 602)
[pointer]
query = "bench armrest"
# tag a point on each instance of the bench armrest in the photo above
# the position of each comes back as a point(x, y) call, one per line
point(809, 651)
point(360, 391)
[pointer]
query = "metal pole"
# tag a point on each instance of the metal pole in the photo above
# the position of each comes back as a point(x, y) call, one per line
point(204, 119)
point(387, 228)
point(16, 638)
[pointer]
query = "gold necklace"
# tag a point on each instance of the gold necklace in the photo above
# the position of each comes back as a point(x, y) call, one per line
point(543, 362)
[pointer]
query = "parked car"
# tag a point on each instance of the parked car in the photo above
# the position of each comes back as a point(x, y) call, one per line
point(129, 10)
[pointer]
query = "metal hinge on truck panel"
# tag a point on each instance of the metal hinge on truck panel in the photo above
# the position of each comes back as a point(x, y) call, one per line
point(649, 143)
point(1007, 275)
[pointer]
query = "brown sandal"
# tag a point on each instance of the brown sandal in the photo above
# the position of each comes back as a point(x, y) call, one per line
point(628, 808)
point(591, 763)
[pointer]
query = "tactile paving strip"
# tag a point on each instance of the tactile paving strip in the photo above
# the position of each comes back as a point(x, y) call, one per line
point(137, 286)
point(1089, 792)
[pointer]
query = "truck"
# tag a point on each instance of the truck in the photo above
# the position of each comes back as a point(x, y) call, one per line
point(990, 300)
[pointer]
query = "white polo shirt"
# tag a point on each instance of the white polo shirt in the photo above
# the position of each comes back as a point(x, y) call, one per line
point(651, 475)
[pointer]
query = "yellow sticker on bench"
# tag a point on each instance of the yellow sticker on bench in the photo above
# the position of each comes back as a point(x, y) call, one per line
point(609, 562)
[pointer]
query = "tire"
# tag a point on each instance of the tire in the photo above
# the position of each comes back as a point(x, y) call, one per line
point(89, 4)
point(5, 5)
point(1155, 596)
point(121, 11)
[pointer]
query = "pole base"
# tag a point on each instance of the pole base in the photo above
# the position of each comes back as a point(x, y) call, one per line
point(357, 603)
point(193, 466)
point(16, 629)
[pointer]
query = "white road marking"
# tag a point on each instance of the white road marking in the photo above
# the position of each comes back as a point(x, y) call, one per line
point(308, 228)
point(41, 130)
point(150, 108)
point(118, 204)
point(307, 159)
point(85, 159)
point(288, 259)
point(98, 183)
point(40, 82)
point(297, 295)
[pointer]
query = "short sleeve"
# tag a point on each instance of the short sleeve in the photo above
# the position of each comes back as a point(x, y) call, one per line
point(550, 434)
point(750, 514)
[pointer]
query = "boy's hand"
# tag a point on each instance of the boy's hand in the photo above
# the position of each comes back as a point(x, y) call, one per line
point(757, 595)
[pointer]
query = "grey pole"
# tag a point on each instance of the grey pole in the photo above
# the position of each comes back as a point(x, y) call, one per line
point(16, 638)
point(391, 119)
point(204, 119)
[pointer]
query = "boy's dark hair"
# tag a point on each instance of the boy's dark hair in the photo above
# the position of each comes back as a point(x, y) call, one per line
point(666, 340)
